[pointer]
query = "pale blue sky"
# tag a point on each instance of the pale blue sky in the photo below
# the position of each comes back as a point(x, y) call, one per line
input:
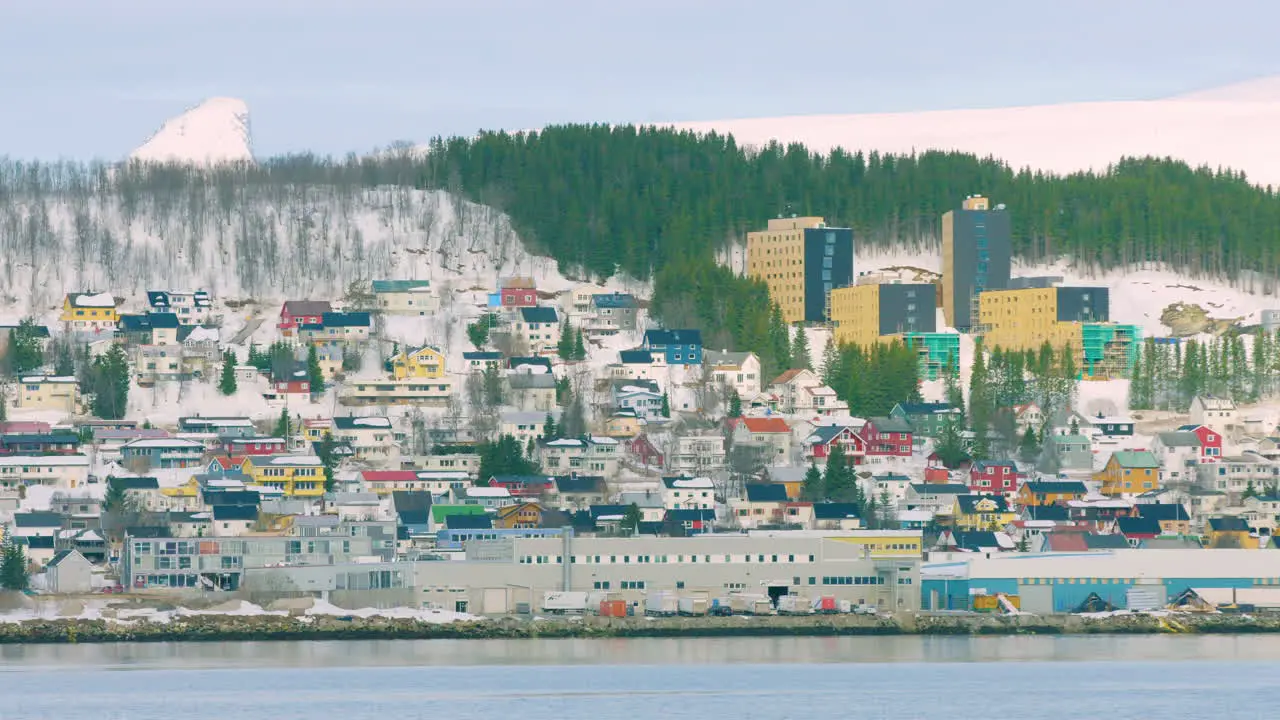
point(93, 78)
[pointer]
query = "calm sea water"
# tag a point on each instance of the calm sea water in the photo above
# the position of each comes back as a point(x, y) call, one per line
point(902, 677)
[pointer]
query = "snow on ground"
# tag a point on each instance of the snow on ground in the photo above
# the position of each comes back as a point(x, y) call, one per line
point(102, 609)
point(1063, 138)
point(215, 131)
point(321, 607)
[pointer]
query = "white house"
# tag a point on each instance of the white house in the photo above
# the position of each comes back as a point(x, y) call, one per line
point(59, 471)
point(738, 370)
point(688, 493)
point(697, 454)
point(68, 572)
point(1178, 453)
point(524, 425)
point(405, 297)
point(537, 328)
point(490, 498)
point(1214, 412)
point(1234, 474)
point(370, 437)
point(801, 392)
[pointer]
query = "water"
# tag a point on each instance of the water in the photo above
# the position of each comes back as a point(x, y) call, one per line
point(741, 678)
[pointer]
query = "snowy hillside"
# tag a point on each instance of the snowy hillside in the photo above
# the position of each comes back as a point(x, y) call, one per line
point(1228, 127)
point(215, 131)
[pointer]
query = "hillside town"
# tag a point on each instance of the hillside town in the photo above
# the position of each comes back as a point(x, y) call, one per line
point(563, 450)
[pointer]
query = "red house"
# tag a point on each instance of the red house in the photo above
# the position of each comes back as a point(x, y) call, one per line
point(519, 292)
point(642, 448)
point(994, 477)
point(301, 312)
point(255, 446)
point(817, 447)
point(887, 436)
point(1210, 442)
point(291, 383)
point(524, 486)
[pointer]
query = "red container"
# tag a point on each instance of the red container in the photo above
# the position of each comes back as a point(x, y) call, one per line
point(613, 608)
point(827, 604)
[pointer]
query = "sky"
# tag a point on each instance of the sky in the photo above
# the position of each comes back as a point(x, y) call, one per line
point(92, 79)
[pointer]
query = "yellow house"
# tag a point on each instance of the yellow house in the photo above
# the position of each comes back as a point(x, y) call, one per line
point(1129, 473)
point(1035, 493)
point(982, 512)
point(295, 475)
point(424, 362)
point(89, 312)
point(41, 392)
point(622, 425)
point(1230, 532)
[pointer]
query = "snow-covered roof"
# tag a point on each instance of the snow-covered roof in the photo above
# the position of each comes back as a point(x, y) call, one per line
point(306, 460)
point(565, 442)
point(98, 300)
point(699, 483)
point(163, 443)
point(50, 460)
point(48, 379)
point(203, 334)
point(598, 440)
point(488, 492)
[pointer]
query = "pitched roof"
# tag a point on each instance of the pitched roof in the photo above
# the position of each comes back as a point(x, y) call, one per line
point(765, 424)
point(307, 307)
point(940, 489)
point(835, 511)
point(688, 483)
point(1095, 541)
point(516, 362)
point(440, 513)
point(685, 515)
point(890, 424)
point(1056, 487)
point(662, 338)
point(1226, 524)
point(1213, 402)
point(825, 434)
point(133, 483)
point(984, 464)
point(361, 423)
point(482, 355)
point(37, 519)
point(608, 511)
point(412, 507)
point(1066, 541)
point(1138, 526)
point(766, 492)
point(1135, 459)
point(457, 521)
point(235, 512)
point(787, 376)
point(397, 286)
point(91, 300)
point(531, 381)
point(345, 319)
point(61, 556)
point(567, 484)
point(1056, 513)
point(1162, 512)
point(925, 408)
point(1179, 438)
point(969, 503)
point(539, 315)
point(614, 300)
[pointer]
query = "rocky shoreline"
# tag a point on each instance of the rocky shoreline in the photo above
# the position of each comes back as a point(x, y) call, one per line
point(214, 628)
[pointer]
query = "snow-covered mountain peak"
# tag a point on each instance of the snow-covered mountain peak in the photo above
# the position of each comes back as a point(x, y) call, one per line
point(215, 131)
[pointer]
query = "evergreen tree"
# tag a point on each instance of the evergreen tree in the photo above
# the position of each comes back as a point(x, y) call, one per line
point(830, 359)
point(492, 389)
point(4, 403)
point(951, 379)
point(64, 361)
point(13, 564)
point(108, 384)
point(326, 452)
point(950, 445)
point(1250, 490)
point(25, 353)
point(478, 331)
point(631, 518)
point(735, 404)
point(503, 457)
point(579, 346)
point(981, 408)
point(800, 351)
point(549, 429)
point(778, 351)
point(666, 405)
point(227, 383)
point(282, 425)
point(812, 489)
point(564, 347)
point(838, 481)
point(315, 376)
point(1029, 447)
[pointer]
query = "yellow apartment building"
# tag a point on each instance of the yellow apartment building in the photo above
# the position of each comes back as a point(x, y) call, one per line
point(295, 475)
point(40, 392)
point(801, 260)
point(89, 312)
point(424, 362)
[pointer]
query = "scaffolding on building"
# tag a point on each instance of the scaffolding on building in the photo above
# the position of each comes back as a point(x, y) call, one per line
point(935, 351)
point(1109, 350)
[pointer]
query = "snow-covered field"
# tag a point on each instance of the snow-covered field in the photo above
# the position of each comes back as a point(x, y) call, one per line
point(63, 609)
point(1228, 127)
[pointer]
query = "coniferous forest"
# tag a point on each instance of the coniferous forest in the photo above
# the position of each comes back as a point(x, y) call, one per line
point(658, 203)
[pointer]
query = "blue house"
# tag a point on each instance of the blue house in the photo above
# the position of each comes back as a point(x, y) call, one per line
point(681, 347)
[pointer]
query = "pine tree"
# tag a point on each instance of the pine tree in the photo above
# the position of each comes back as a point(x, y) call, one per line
point(950, 445)
point(812, 489)
point(1250, 490)
point(478, 331)
point(777, 354)
point(666, 406)
point(735, 404)
point(325, 451)
point(951, 378)
point(838, 481)
point(315, 375)
point(282, 425)
point(549, 430)
point(981, 409)
point(564, 348)
point(4, 403)
point(227, 383)
point(64, 361)
point(800, 351)
point(13, 564)
point(107, 381)
point(1029, 447)
point(830, 358)
point(579, 346)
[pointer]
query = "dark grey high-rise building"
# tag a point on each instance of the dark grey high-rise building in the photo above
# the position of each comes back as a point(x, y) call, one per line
point(976, 254)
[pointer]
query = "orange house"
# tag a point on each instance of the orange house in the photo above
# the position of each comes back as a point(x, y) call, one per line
point(520, 515)
point(1129, 473)
point(1051, 492)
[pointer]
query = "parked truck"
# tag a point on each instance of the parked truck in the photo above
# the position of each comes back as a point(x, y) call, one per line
point(693, 605)
point(750, 605)
point(720, 607)
point(660, 603)
point(794, 605)
point(564, 602)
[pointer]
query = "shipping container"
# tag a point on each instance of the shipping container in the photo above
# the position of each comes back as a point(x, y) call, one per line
point(826, 605)
point(998, 603)
point(613, 608)
point(660, 603)
point(564, 603)
point(794, 605)
point(693, 605)
point(750, 605)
